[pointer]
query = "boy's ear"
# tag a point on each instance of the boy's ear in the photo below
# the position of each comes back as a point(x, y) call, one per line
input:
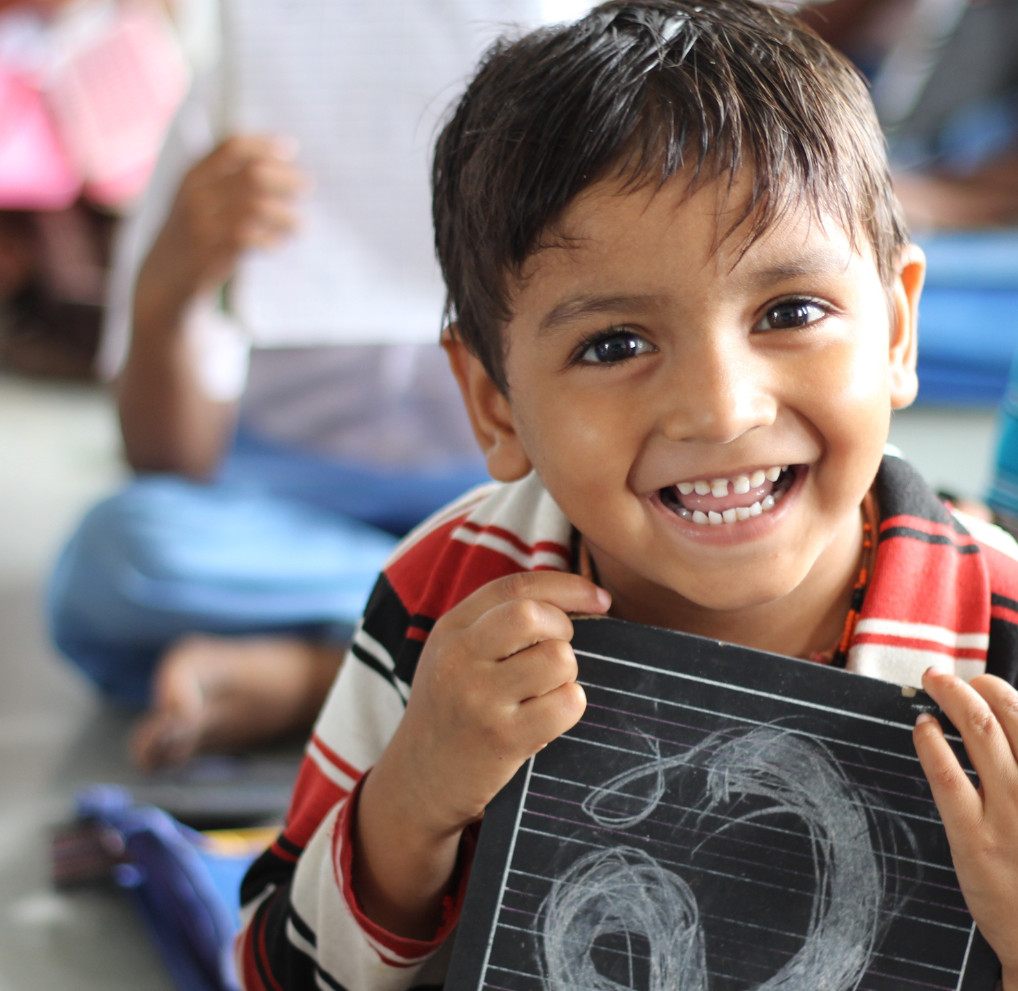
point(490, 412)
point(907, 287)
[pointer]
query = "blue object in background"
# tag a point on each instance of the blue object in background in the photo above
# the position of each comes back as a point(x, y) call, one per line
point(186, 883)
point(968, 317)
point(1002, 495)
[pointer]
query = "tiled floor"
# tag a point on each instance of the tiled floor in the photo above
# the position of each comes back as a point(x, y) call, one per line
point(58, 452)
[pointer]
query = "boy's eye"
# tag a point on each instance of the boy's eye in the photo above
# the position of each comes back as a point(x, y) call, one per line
point(613, 346)
point(791, 313)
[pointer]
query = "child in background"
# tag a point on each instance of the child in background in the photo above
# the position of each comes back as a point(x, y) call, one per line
point(218, 590)
point(683, 308)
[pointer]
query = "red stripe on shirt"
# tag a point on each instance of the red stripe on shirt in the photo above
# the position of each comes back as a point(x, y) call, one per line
point(314, 795)
point(917, 643)
point(252, 979)
point(263, 953)
point(393, 950)
point(334, 759)
point(1005, 613)
point(530, 550)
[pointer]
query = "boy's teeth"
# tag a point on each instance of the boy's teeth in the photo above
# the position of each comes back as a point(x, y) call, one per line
point(740, 485)
point(739, 513)
point(722, 487)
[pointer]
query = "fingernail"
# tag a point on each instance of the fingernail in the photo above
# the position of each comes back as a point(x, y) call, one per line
point(604, 599)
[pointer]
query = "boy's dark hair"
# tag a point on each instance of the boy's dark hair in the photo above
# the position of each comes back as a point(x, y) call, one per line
point(641, 89)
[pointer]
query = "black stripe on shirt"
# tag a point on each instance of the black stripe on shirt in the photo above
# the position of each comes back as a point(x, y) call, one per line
point(385, 618)
point(288, 846)
point(1002, 658)
point(367, 658)
point(996, 599)
point(927, 538)
point(303, 929)
point(283, 964)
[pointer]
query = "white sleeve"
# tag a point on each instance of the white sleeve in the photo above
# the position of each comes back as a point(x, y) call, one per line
point(300, 917)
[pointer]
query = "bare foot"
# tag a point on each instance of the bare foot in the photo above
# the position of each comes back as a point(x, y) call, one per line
point(225, 694)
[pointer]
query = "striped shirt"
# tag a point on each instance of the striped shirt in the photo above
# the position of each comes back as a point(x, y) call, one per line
point(944, 592)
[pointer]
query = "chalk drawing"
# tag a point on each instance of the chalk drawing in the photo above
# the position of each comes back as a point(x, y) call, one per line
point(622, 892)
point(623, 898)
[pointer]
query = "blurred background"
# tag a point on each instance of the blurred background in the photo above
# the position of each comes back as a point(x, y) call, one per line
point(86, 90)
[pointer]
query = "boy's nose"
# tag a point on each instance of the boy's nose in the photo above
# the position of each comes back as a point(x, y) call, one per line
point(719, 397)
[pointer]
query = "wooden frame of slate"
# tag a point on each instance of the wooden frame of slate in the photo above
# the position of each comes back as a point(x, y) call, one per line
point(720, 820)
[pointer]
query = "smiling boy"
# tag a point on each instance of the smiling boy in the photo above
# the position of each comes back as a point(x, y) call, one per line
point(683, 307)
point(643, 359)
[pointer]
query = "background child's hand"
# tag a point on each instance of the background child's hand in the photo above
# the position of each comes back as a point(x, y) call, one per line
point(240, 196)
point(495, 683)
point(981, 823)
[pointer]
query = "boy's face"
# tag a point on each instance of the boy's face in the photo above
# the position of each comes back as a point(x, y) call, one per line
point(645, 360)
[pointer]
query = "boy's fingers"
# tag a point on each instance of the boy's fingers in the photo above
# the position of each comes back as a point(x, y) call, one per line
point(520, 624)
point(956, 797)
point(979, 712)
point(537, 670)
point(568, 592)
point(547, 717)
point(1003, 701)
point(565, 592)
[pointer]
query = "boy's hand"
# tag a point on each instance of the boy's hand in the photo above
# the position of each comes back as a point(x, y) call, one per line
point(240, 196)
point(495, 683)
point(981, 823)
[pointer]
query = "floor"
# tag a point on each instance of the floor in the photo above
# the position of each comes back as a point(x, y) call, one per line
point(58, 452)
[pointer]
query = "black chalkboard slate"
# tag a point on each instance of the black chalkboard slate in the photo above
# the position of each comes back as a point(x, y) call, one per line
point(721, 819)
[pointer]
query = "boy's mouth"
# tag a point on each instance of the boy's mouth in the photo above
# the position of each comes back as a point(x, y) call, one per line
point(720, 501)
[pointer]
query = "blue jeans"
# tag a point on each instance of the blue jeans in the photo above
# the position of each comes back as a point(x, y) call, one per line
point(280, 543)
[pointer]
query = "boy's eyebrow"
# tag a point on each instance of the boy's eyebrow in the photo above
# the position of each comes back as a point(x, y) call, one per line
point(587, 304)
point(816, 262)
